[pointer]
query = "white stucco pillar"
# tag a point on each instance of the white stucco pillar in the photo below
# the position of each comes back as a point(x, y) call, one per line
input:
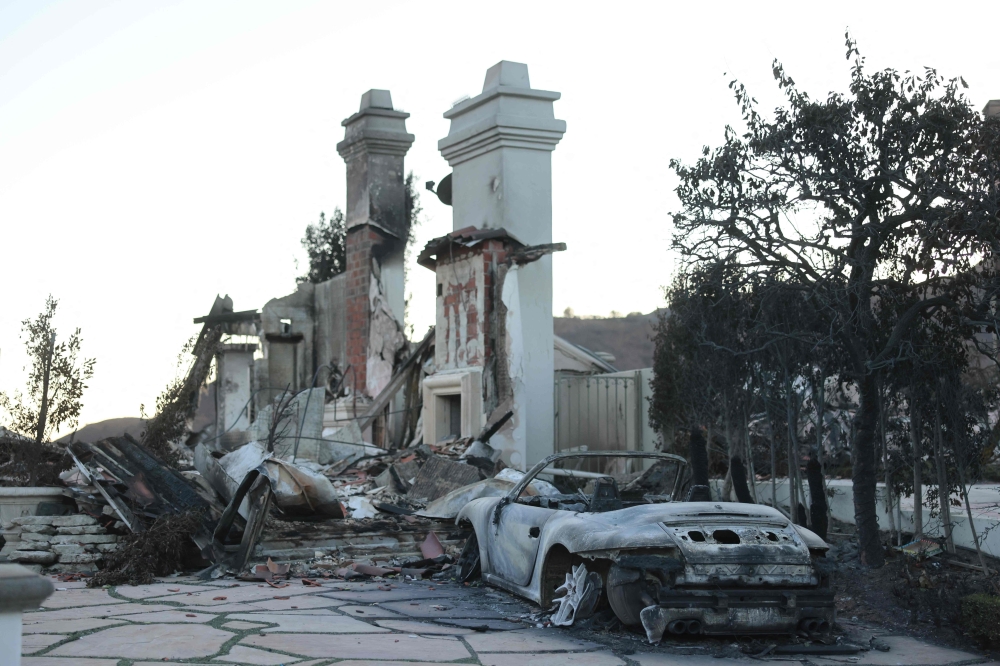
point(500, 149)
point(234, 365)
point(20, 590)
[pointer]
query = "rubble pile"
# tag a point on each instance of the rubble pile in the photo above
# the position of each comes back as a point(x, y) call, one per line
point(78, 540)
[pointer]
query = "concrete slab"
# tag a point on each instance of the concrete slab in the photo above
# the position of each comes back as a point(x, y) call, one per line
point(67, 626)
point(549, 659)
point(903, 651)
point(241, 654)
point(110, 610)
point(422, 628)
point(433, 609)
point(367, 611)
point(661, 659)
point(33, 643)
point(62, 661)
point(169, 616)
point(311, 624)
point(240, 625)
point(75, 598)
point(357, 662)
point(439, 649)
point(148, 641)
point(308, 611)
point(528, 640)
point(72, 585)
point(158, 590)
point(406, 593)
point(492, 625)
point(248, 593)
point(298, 603)
point(221, 608)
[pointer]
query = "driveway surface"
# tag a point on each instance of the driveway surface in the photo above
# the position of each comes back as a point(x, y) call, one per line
point(184, 620)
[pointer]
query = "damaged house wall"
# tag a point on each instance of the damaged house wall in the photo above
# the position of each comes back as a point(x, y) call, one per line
point(288, 327)
point(330, 312)
point(499, 146)
point(467, 386)
point(354, 321)
point(302, 332)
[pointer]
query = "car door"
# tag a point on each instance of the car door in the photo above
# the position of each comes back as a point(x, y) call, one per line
point(514, 541)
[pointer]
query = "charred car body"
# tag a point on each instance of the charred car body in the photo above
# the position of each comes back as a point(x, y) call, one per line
point(671, 566)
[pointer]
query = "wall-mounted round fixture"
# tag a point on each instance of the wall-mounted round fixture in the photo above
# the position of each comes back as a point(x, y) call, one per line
point(443, 191)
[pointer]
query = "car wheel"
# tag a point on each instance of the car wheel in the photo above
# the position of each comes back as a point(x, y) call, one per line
point(469, 567)
point(628, 593)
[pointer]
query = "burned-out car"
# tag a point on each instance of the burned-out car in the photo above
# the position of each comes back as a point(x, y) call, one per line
point(613, 522)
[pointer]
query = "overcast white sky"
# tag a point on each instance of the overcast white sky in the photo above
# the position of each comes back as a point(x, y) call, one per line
point(155, 153)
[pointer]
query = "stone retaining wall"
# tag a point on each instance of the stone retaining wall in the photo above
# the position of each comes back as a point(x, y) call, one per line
point(48, 540)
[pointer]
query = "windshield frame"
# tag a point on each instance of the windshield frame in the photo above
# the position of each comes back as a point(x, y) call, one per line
point(539, 467)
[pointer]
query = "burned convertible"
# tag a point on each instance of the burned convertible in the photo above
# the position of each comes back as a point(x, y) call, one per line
point(611, 529)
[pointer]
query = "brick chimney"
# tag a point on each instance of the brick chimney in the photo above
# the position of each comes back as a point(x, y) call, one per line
point(375, 142)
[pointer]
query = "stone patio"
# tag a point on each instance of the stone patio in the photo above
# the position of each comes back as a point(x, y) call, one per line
point(184, 620)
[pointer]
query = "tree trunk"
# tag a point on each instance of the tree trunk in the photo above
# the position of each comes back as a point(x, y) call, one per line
point(751, 468)
point(792, 421)
point(865, 474)
point(738, 475)
point(817, 498)
point(885, 462)
point(34, 455)
point(774, 461)
point(918, 491)
point(43, 413)
point(944, 494)
point(968, 513)
point(698, 450)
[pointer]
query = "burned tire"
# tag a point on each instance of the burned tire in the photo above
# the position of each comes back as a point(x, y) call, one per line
point(628, 593)
point(469, 566)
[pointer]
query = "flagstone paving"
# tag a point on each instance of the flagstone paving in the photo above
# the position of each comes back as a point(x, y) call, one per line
point(216, 623)
point(67, 626)
point(50, 661)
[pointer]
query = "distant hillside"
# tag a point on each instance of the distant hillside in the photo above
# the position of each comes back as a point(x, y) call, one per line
point(629, 339)
point(94, 432)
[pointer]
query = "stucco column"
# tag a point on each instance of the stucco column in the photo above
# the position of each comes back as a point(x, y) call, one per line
point(20, 589)
point(233, 389)
point(375, 143)
point(500, 149)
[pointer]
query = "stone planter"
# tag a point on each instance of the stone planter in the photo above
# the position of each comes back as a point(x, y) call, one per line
point(18, 502)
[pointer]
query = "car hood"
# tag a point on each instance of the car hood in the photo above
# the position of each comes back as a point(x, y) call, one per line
point(704, 532)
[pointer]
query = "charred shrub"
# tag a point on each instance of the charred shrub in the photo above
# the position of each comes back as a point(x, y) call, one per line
point(981, 617)
point(27, 463)
point(141, 557)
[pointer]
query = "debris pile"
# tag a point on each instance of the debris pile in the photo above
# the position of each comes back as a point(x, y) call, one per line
point(287, 488)
point(157, 551)
point(78, 540)
point(117, 477)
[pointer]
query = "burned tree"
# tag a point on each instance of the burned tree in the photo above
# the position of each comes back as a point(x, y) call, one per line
point(853, 197)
